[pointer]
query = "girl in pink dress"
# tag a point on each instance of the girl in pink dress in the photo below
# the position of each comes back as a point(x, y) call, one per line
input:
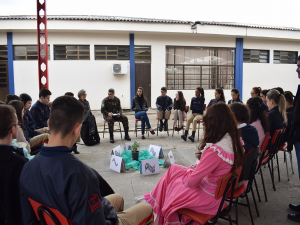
point(194, 187)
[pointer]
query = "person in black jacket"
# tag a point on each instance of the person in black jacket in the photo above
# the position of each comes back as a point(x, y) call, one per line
point(140, 106)
point(57, 179)
point(164, 106)
point(289, 99)
point(197, 105)
point(89, 131)
point(277, 111)
point(40, 111)
point(294, 139)
point(11, 165)
point(235, 94)
point(219, 97)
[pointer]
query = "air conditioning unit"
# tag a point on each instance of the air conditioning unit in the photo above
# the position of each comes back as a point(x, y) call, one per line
point(120, 68)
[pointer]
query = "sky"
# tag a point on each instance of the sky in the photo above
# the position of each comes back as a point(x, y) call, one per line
point(262, 12)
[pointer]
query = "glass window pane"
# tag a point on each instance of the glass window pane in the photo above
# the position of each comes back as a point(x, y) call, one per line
point(20, 48)
point(100, 57)
point(84, 57)
point(20, 53)
point(72, 52)
point(3, 85)
point(3, 47)
point(112, 47)
point(85, 47)
point(59, 48)
point(72, 47)
point(98, 47)
point(112, 52)
point(100, 53)
point(254, 52)
point(20, 57)
point(84, 52)
point(32, 53)
point(72, 57)
point(112, 57)
point(60, 57)
point(33, 47)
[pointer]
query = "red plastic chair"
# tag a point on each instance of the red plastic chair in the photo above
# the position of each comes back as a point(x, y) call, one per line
point(47, 215)
point(187, 108)
point(201, 121)
point(224, 186)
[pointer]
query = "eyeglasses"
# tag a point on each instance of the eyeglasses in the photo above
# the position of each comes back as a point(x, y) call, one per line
point(252, 93)
point(85, 94)
point(15, 125)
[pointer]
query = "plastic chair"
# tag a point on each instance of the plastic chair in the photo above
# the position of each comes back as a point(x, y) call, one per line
point(224, 185)
point(184, 119)
point(140, 128)
point(47, 215)
point(158, 123)
point(201, 121)
point(115, 130)
point(242, 191)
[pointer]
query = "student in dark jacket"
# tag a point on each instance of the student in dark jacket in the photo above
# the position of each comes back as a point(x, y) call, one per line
point(219, 97)
point(235, 94)
point(11, 165)
point(197, 105)
point(277, 111)
point(289, 99)
point(179, 110)
point(140, 106)
point(70, 186)
point(40, 111)
point(164, 106)
point(89, 131)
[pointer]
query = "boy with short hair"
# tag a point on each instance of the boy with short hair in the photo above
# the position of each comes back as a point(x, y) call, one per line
point(40, 111)
point(164, 106)
point(11, 165)
point(59, 180)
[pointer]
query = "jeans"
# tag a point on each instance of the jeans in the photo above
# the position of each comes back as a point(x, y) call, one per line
point(142, 115)
point(297, 149)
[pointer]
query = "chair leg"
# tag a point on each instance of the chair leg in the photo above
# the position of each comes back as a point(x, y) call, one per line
point(278, 169)
point(198, 130)
point(168, 128)
point(236, 212)
point(120, 130)
point(254, 200)
point(249, 209)
point(255, 183)
point(291, 159)
point(263, 183)
point(173, 129)
point(271, 168)
point(157, 128)
point(286, 164)
point(135, 128)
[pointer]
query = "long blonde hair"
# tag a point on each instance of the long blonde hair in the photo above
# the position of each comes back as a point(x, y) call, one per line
point(280, 101)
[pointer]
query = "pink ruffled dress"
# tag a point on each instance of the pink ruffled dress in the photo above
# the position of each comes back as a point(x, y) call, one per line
point(192, 188)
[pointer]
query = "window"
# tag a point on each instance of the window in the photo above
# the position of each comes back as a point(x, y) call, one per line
point(3, 52)
point(28, 52)
point(111, 52)
point(71, 52)
point(256, 56)
point(142, 54)
point(190, 67)
point(285, 57)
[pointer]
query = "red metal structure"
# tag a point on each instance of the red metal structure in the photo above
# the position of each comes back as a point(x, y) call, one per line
point(42, 44)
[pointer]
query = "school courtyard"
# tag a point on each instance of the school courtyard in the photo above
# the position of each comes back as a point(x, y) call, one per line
point(131, 183)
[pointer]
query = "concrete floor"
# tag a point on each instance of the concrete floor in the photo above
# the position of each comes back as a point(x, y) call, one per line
point(131, 183)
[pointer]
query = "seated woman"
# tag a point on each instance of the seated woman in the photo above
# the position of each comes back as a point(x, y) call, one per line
point(197, 105)
point(194, 187)
point(140, 106)
point(255, 92)
point(235, 94)
point(249, 133)
point(89, 131)
point(258, 117)
point(219, 97)
point(277, 110)
point(263, 95)
point(179, 108)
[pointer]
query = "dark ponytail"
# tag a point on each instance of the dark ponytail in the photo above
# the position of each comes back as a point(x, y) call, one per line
point(258, 111)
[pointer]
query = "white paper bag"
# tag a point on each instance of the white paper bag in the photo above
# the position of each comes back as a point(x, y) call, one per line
point(149, 167)
point(117, 164)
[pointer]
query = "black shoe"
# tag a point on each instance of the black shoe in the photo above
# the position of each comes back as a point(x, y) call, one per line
point(294, 217)
point(160, 127)
point(296, 208)
point(143, 137)
point(112, 140)
point(165, 127)
point(152, 132)
point(183, 137)
point(127, 138)
point(191, 138)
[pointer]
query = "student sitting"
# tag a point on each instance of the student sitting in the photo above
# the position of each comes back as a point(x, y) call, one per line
point(249, 133)
point(197, 105)
point(258, 117)
point(59, 180)
point(194, 187)
point(179, 110)
point(140, 107)
point(277, 113)
point(164, 106)
point(219, 97)
point(40, 111)
point(11, 97)
point(255, 92)
point(235, 94)
point(11, 165)
point(263, 95)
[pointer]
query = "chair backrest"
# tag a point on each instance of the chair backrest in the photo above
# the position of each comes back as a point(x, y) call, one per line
point(47, 215)
point(251, 159)
point(204, 107)
point(265, 143)
point(276, 141)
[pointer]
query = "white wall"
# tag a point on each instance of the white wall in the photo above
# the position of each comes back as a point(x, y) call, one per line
point(95, 76)
point(269, 75)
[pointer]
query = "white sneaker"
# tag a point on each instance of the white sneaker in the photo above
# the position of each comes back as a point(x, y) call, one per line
point(139, 199)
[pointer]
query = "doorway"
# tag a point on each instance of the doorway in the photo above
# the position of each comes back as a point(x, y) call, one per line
point(143, 79)
point(4, 86)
